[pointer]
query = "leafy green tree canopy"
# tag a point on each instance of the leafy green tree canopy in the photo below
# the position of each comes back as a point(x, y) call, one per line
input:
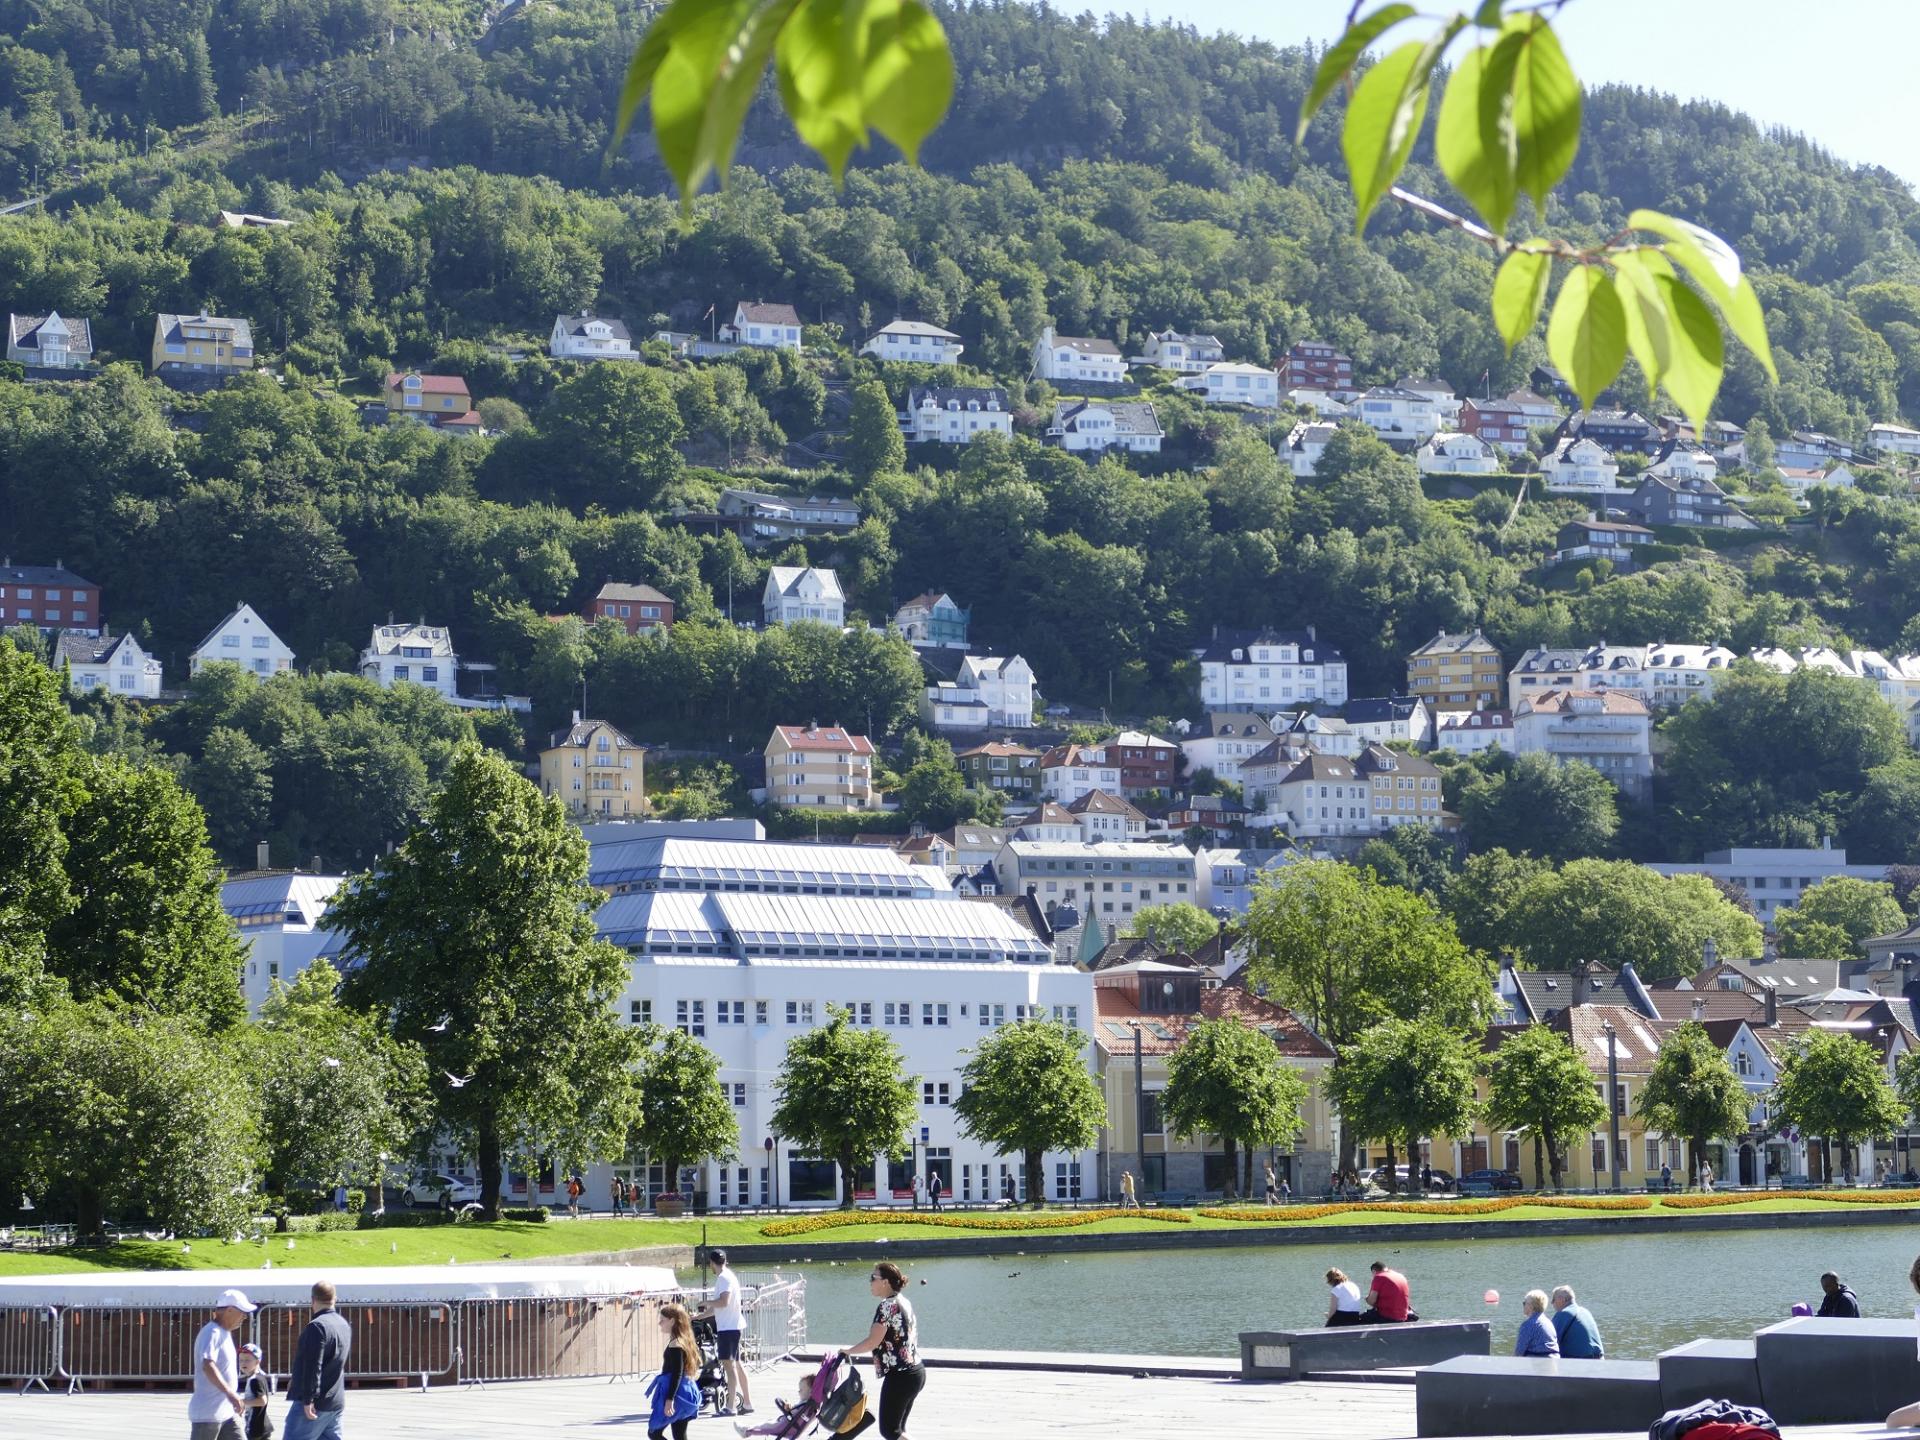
point(1180, 925)
point(1540, 1086)
point(1693, 1093)
point(1858, 909)
point(1026, 1090)
point(684, 1114)
point(842, 1095)
point(1228, 1079)
point(1835, 1086)
point(1402, 1080)
point(1660, 923)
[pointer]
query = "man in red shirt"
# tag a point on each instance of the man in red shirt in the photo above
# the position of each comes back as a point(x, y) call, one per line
point(1387, 1301)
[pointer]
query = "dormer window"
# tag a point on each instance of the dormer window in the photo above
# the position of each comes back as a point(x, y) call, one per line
point(412, 382)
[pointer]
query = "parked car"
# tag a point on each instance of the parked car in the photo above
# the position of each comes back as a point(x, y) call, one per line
point(1489, 1180)
point(438, 1188)
point(1440, 1179)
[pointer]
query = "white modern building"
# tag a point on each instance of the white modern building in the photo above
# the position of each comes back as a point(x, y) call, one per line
point(587, 336)
point(1446, 404)
point(915, 342)
point(114, 663)
point(1233, 383)
point(796, 592)
point(1580, 467)
point(1183, 354)
point(746, 946)
point(1890, 439)
point(1774, 877)
point(280, 915)
point(1451, 452)
point(955, 414)
point(1468, 732)
point(1270, 669)
point(1108, 881)
point(1069, 358)
point(242, 639)
point(1610, 730)
point(1116, 425)
point(419, 654)
point(1404, 416)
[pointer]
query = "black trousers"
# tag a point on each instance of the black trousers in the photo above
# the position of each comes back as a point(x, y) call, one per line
point(897, 1394)
point(679, 1428)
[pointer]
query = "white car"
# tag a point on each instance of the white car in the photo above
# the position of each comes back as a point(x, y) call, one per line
point(441, 1189)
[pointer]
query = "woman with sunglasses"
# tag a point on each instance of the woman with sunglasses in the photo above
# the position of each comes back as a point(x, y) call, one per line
point(895, 1343)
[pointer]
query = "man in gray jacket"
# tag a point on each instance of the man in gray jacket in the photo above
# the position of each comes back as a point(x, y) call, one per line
point(317, 1385)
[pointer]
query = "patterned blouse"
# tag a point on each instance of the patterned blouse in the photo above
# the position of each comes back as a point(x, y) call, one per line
point(900, 1347)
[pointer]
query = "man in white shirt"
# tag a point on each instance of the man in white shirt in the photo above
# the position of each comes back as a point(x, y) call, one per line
point(214, 1411)
point(728, 1320)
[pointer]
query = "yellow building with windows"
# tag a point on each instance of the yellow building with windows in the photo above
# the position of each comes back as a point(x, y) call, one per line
point(212, 346)
point(1457, 672)
point(595, 770)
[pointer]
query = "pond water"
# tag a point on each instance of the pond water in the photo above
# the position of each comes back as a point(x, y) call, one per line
point(1648, 1292)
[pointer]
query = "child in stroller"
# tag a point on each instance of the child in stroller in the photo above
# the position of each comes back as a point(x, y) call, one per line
point(816, 1391)
point(712, 1379)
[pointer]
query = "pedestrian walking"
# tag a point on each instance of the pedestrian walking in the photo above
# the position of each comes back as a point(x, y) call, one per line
point(1128, 1200)
point(619, 1191)
point(1273, 1189)
point(633, 1196)
point(729, 1318)
point(934, 1188)
point(676, 1396)
point(1286, 1191)
point(1666, 1177)
point(573, 1195)
point(894, 1341)
point(213, 1412)
point(317, 1384)
point(256, 1389)
point(1838, 1302)
point(916, 1192)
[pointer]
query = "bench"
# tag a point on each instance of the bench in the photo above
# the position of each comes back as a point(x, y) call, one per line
point(1710, 1370)
point(1815, 1371)
point(1510, 1395)
point(1295, 1354)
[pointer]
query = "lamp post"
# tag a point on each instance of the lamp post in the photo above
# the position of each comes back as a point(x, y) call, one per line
point(1139, 1108)
point(1613, 1102)
point(773, 1172)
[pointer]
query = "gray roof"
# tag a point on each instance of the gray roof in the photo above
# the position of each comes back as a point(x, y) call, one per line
point(576, 325)
point(580, 731)
point(963, 395)
point(87, 649)
point(24, 331)
point(762, 313)
point(1221, 647)
point(389, 639)
point(916, 327)
point(1130, 417)
point(1378, 710)
point(1232, 724)
point(13, 574)
point(167, 328)
point(1087, 343)
point(614, 590)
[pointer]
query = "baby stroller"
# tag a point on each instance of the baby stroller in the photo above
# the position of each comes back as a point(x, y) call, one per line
point(712, 1379)
point(834, 1400)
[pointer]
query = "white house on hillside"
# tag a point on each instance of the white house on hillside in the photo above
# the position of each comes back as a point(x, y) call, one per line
point(1579, 467)
point(1267, 669)
point(955, 414)
point(1446, 404)
point(1123, 424)
point(50, 342)
point(914, 341)
point(1306, 443)
point(772, 327)
point(114, 663)
point(803, 593)
point(1680, 462)
point(587, 336)
point(1075, 357)
point(1891, 439)
point(1451, 452)
point(988, 693)
point(243, 639)
point(1232, 383)
point(1406, 416)
point(419, 654)
point(1184, 354)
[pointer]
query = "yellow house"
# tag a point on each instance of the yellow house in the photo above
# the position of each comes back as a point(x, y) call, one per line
point(1145, 1008)
point(596, 770)
point(436, 399)
point(819, 767)
point(203, 344)
point(1457, 672)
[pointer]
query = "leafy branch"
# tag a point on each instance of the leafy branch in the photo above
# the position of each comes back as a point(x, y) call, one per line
point(1509, 125)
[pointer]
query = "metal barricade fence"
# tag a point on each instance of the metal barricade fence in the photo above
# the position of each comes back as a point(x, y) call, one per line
point(29, 1344)
point(571, 1337)
point(776, 1316)
point(127, 1342)
point(392, 1340)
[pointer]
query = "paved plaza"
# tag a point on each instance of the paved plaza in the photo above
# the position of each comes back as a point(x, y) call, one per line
point(959, 1404)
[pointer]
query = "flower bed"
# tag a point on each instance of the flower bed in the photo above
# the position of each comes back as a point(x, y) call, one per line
point(1287, 1214)
point(1717, 1199)
point(962, 1220)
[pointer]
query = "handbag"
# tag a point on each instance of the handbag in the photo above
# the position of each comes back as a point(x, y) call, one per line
point(837, 1408)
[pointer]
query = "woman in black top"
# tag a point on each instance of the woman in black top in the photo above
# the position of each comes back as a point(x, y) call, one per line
point(895, 1343)
point(676, 1398)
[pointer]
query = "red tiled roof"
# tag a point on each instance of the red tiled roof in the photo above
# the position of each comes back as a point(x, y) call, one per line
point(1113, 1003)
point(430, 384)
point(1616, 702)
point(830, 738)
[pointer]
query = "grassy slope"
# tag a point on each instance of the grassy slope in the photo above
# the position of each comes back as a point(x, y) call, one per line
point(473, 1244)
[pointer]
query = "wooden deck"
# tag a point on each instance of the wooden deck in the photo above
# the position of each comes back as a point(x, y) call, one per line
point(959, 1404)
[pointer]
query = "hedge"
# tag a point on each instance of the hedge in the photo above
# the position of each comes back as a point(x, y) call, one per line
point(961, 1220)
point(1267, 1215)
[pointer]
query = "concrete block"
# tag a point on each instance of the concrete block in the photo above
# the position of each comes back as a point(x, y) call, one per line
point(1295, 1354)
point(1815, 1371)
point(1509, 1395)
point(1709, 1370)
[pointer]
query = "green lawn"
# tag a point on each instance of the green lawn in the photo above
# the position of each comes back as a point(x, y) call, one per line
point(514, 1240)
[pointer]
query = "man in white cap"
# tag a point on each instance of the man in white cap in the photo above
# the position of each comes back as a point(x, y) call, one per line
point(215, 1409)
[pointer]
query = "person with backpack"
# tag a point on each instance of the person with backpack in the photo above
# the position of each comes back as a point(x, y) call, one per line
point(894, 1342)
point(676, 1396)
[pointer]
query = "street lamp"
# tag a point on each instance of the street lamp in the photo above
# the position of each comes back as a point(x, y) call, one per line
point(1139, 1107)
point(773, 1173)
point(1613, 1100)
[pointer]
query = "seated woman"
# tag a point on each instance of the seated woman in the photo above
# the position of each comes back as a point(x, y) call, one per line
point(1343, 1299)
point(1536, 1335)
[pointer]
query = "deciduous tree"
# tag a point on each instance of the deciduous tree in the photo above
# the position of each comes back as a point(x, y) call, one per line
point(1025, 1090)
point(1181, 925)
point(1402, 1080)
point(842, 1093)
point(1228, 1079)
point(1835, 1086)
point(1858, 909)
point(1540, 1086)
point(684, 1114)
point(1661, 923)
point(1693, 1092)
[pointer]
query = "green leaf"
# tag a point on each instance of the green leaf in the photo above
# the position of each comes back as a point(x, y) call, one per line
point(1636, 274)
point(1345, 53)
point(909, 76)
point(1698, 355)
point(1474, 136)
point(1488, 17)
point(1715, 267)
point(689, 63)
point(1587, 336)
point(1518, 291)
point(820, 60)
point(1384, 118)
point(1546, 107)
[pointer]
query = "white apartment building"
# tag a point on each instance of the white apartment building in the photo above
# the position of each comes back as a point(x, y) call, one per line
point(1120, 424)
point(1108, 881)
point(1223, 739)
point(988, 693)
point(1451, 452)
point(1406, 416)
point(1070, 771)
point(1446, 405)
point(915, 342)
point(1890, 439)
point(795, 592)
point(1580, 467)
point(1468, 732)
point(1608, 729)
point(114, 663)
point(745, 946)
point(955, 414)
point(1679, 462)
point(1183, 354)
point(1232, 383)
point(587, 336)
point(1270, 669)
point(1661, 674)
point(281, 917)
point(1067, 358)
point(1317, 797)
point(1774, 877)
point(243, 639)
point(419, 654)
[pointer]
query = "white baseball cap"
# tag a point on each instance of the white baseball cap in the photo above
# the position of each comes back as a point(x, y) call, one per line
point(237, 1299)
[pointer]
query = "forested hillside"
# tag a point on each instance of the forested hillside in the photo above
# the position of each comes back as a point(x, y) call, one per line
point(446, 171)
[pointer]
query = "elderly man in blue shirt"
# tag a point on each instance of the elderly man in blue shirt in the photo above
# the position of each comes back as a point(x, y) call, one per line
point(1574, 1327)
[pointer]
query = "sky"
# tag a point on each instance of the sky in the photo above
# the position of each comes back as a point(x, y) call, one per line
point(1839, 71)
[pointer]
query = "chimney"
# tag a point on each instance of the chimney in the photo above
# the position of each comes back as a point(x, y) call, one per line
point(576, 717)
point(316, 865)
point(1579, 985)
point(1773, 1004)
point(1700, 1008)
point(1709, 953)
point(261, 857)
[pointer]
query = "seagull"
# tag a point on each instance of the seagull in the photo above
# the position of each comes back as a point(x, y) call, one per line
point(330, 1063)
point(440, 1029)
point(1015, 1275)
point(456, 1081)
